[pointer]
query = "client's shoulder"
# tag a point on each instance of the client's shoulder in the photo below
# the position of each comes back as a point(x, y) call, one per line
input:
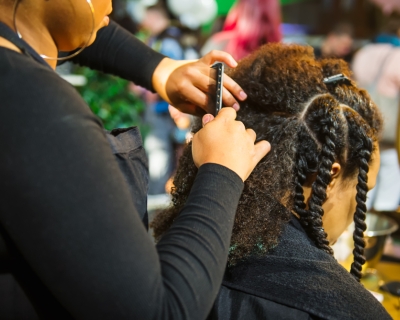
point(297, 274)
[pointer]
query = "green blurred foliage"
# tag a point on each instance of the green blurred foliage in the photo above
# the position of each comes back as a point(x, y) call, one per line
point(111, 100)
point(225, 5)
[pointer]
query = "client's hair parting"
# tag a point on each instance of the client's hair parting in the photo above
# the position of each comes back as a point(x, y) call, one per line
point(310, 125)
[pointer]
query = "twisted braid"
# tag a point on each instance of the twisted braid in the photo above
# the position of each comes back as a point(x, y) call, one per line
point(349, 94)
point(359, 217)
point(306, 163)
point(364, 121)
point(363, 149)
point(299, 204)
point(323, 121)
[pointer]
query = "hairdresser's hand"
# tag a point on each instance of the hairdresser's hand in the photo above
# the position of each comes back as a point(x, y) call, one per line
point(225, 141)
point(184, 83)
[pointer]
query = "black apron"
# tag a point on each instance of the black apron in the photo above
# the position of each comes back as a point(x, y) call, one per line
point(126, 145)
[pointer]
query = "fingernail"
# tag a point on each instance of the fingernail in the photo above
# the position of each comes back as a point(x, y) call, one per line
point(234, 64)
point(242, 95)
point(206, 119)
point(236, 106)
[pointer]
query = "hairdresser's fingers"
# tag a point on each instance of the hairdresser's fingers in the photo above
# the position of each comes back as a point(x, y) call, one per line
point(228, 100)
point(207, 118)
point(177, 83)
point(201, 80)
point(190, 108)
point(227, 142)
point(227, 114)
point(216, 55)
point(262, 148)
point(185, 84)
point(194, 98)
point(234, 88)
point(251, 134)
point(231, 91)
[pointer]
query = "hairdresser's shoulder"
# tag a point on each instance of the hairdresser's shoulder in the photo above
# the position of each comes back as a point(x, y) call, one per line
point(15, 65)
point(28, 84)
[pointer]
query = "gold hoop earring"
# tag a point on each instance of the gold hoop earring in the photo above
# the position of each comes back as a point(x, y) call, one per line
point(16, 3)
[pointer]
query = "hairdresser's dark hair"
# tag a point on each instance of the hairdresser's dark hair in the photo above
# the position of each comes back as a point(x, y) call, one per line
point(310, 125)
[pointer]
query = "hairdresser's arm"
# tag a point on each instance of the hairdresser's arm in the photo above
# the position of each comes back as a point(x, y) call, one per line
point(116, 51)
point(67, 208)
point(181, 83)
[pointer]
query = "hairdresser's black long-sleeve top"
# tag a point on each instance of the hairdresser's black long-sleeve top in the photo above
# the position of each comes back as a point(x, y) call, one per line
point(77, 246)
point(117, 52)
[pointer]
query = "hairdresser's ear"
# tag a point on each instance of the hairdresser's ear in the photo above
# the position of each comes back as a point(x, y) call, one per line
point(335, 173)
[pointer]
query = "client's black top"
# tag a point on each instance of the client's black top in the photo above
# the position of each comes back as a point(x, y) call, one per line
point(295, 280)
point(73, 239)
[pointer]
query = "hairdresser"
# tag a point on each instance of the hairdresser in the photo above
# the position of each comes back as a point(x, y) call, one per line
point(73, 245)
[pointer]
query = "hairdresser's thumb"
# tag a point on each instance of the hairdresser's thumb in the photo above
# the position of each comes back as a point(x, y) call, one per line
point(207, 118)
point(262, 147)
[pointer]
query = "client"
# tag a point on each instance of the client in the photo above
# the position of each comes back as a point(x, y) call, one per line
point(299, 199)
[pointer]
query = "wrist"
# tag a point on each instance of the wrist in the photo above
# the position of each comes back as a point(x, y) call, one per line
point(219, 169)
point(238, 170)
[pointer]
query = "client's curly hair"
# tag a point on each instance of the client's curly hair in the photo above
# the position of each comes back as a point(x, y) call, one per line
point(310, 125)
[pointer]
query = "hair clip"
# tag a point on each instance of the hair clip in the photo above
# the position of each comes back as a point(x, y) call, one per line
point(336, 78)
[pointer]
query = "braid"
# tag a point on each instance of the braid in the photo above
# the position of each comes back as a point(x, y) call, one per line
point(326, 117)
point(364, 121)
point(359, 216)
point(363, 152)
point(306, 162)
point(299, 204)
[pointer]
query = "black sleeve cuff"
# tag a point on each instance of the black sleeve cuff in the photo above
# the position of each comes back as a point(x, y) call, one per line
point(215, 171)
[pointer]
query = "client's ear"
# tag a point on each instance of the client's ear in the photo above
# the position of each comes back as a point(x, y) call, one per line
point(335, 173)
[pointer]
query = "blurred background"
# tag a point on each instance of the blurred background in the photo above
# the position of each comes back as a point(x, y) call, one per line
point(190, 29)
point(365, 33)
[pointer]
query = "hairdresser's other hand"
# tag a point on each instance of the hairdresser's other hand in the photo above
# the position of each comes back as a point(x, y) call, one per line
point(227, 142)
point(184, 83)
